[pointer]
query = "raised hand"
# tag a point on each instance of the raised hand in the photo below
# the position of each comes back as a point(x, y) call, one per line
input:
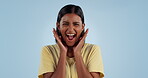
point(62, 47)
point(79, 46)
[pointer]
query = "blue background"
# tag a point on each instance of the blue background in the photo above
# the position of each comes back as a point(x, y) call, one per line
point(119, 27)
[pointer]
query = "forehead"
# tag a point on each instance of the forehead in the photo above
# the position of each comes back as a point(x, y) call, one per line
point(71, 18)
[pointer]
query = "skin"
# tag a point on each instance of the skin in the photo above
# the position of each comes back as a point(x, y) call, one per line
point(71, 23)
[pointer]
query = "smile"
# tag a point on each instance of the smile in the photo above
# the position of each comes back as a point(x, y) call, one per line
point(70, 36)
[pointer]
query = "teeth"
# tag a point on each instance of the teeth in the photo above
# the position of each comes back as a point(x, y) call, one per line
point(70, 34)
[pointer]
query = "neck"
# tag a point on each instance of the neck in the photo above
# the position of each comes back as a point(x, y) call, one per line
point(70, 52)
point(70, 49)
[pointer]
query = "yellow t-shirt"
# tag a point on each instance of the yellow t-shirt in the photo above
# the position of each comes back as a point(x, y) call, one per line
point(90, 53)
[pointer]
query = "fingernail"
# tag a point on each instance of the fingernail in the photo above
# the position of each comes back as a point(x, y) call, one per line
point(87, 29)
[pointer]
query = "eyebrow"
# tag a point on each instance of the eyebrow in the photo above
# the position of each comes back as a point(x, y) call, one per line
point(67, 22)
point(76, 22)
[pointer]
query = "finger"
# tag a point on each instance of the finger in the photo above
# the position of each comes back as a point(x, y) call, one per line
point(60, 37)
point(56, 35)
point(82, 39)
point(54, 32)
point(85, 34)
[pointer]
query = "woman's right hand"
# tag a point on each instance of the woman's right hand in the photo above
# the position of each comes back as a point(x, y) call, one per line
point(62, 47)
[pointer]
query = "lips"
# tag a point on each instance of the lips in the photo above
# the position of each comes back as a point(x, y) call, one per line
point(70, 36)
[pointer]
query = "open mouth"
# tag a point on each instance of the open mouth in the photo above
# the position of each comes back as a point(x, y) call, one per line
point(71, 36)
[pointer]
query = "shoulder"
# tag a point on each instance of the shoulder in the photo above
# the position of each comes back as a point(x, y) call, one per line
point(49, 48)
point(90, 49)
point(91, 46)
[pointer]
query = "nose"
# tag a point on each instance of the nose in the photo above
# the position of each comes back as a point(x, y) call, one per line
point(71, 29)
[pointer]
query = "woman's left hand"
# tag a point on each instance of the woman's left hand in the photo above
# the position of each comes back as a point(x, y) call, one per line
point(78, 47)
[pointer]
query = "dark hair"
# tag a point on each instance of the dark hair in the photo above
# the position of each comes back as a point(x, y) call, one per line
point(70, 9)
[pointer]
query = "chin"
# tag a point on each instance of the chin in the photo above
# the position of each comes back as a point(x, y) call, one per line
point(70, 44)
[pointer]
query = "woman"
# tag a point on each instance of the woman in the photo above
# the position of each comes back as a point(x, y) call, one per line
point(71, 57)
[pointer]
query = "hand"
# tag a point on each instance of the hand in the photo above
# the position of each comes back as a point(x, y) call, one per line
point(59, 42)
point(78, 47)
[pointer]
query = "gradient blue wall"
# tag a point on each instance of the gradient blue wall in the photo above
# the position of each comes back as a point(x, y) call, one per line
point(119, 27)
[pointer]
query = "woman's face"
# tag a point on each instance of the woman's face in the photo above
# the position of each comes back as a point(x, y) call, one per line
point(70, 27)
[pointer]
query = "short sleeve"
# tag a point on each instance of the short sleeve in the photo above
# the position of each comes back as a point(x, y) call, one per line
point(46, 62)
point(95, 62)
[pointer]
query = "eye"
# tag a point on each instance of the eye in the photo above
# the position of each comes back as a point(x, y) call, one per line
point(65, 24)
point(76, 24)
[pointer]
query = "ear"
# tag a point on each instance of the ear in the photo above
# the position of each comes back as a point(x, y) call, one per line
point(58, 25)
point(83, 26)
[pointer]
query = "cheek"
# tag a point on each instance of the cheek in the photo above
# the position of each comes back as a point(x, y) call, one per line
point(79, 32)
point(63, 32)
point(79, 29)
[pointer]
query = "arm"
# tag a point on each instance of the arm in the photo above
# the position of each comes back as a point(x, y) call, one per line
point(82, 70)
point(80, 66)
point(60, 71)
